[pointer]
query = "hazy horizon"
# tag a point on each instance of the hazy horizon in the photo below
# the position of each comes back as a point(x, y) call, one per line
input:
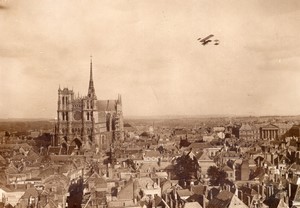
point(149, 53)
point(168, 117)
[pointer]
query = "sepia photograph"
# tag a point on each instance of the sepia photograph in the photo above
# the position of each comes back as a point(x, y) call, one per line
point(149, 104)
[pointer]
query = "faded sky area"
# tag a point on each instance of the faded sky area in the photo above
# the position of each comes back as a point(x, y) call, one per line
point(148, 51)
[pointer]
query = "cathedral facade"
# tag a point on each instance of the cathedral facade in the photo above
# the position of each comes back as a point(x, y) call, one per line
point(85, 123)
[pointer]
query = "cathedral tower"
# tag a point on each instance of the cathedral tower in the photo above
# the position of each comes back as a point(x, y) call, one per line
point(85, 123)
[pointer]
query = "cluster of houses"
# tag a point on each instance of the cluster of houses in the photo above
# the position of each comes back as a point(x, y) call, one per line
point(141, 170)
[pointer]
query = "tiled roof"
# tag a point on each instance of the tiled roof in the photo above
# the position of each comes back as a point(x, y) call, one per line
point(11, 169)
point(222, 200)
point(297, 194)
point(273, 202)
point(32, 156)
point(144, 182)
point(157, 201)
point(192, 205)
point(161, 174)
point(25, 146)
point(184, 192)
point(198, 189)
point(203, 156)
point(200, 145)
point(18, 157)
point(30, 192)
point(167, 186)
point(2, 160)
point(152, 154)
point(127, 192)
point(106, 105)
point(149, 167)
point(47, 172)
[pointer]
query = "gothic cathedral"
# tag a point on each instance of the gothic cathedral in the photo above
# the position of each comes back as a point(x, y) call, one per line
point(86, 123)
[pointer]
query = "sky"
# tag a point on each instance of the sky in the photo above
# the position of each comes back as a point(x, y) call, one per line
point(149, 53)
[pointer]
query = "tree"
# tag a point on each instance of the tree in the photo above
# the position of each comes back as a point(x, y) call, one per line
point(161, 149)
point(131, 164)
point(186, 167)
point(217, 176)
point(184, 143)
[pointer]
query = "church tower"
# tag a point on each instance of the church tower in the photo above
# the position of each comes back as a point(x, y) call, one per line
point(90, 113)
point(64, 114)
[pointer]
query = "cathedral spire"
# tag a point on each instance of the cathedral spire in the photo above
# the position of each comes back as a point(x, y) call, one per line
point(91, 90)
point(120, 99)
point(91, 69)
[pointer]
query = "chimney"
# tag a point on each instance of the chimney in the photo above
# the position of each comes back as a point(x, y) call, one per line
point(166, 198)
point(272, 189)
point(171, 202)
point(263, 191)
point(275, 177)
point(240, 195)
point(286, 200)
point(191, 185)
point(228, 188)
point(249, 201)
point(134, 200)
point(203, 197)
point(206, 191)
point(290, 190)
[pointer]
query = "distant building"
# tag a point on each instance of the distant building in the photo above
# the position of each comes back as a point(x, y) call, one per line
point(275, 131)
point(86, 122)
point(218, 129)
point(204, 161)
point(247, 132)
point(269, 131)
